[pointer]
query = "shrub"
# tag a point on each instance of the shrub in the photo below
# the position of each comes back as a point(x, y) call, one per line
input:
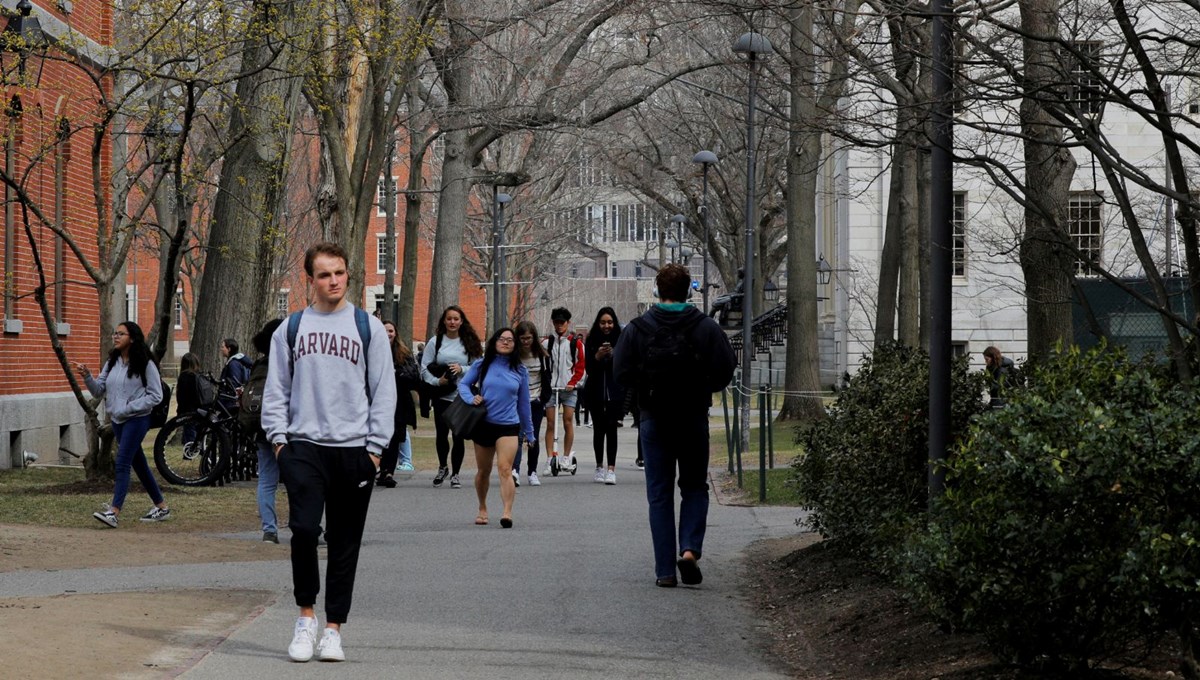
point(864, 476)
point(1068, 528)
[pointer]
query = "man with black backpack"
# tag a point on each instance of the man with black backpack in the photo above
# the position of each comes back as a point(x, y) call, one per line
point(673, 358)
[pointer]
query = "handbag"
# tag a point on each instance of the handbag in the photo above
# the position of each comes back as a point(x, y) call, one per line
point(463, 418)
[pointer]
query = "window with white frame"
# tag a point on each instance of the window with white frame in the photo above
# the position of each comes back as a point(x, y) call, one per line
point(381, 197)
point(1084, 222)
point(1085, 87)
point(131, 302)
point(381, 254)
point(281, 304)
point(177, 309)
point(959, 221)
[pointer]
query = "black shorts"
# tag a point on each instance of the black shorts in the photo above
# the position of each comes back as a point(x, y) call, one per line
point(487, 433)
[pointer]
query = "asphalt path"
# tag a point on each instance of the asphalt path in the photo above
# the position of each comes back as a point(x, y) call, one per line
point(567, 593)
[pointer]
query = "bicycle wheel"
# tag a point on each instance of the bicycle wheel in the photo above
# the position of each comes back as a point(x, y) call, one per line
point(202, 462)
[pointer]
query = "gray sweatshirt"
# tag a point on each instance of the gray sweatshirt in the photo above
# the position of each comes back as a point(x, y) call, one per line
point(315, 392)
point(124, 395)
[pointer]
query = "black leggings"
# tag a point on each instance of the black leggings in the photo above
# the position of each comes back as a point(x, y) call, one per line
point(605, 415)
point(443, 438)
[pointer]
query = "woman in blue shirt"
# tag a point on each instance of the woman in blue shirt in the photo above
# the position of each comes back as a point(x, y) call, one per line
point(503, 387)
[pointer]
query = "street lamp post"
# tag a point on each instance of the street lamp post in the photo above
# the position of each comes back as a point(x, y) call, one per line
point(755, 46)
point(705, 158)
point(499, 200)
point(676, 237)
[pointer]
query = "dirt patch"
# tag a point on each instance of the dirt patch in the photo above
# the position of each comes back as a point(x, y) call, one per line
point(25, 547)
point(126, 635)
point(830, 619)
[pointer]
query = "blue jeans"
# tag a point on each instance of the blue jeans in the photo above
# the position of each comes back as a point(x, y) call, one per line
point(680, 441)
point(406, 450)
point(129, 436)
point(536, 412)
point(268, 482)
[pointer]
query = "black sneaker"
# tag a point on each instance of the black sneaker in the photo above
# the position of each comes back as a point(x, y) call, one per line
point(270, 537)
point(641, 465)
point(441, 476)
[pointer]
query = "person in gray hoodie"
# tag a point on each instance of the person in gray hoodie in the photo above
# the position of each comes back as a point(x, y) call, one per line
point(131, 387)
point(328, 410)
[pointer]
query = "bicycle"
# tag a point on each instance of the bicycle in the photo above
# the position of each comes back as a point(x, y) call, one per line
point(219, 451)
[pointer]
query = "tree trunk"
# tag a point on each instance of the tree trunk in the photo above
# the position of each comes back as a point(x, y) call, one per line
point(889, 259)
point(1047, 258)
point(802, 380)
point(405, 325)
point(910, 258)
point(448, 241)
point(236, 293)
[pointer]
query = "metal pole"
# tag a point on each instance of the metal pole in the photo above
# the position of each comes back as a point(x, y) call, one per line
point(704, 222)
point(762, 444)
point(748, 280)
point(728, 430)
point(495, 259)
point(941, 239)
point(389, 270)
point(501, 298)
point(770, 427)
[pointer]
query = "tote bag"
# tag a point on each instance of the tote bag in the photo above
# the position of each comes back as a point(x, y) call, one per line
point(463, 418)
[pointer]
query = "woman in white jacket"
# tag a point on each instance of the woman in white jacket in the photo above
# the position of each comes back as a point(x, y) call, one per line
point(448, 355)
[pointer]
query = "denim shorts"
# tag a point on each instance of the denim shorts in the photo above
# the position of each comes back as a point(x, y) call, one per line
point(565, 398)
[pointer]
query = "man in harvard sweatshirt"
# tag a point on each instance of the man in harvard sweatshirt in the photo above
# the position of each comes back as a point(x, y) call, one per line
point(328, 410)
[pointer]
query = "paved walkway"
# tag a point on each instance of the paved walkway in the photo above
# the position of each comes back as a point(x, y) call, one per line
point(567, 593)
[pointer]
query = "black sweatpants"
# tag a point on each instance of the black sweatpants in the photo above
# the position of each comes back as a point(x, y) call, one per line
point(605, 415)
point(336, 481)
point(448, 444)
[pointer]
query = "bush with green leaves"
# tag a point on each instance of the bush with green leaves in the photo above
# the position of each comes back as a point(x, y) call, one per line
point(1068, 529)
point(864, 474)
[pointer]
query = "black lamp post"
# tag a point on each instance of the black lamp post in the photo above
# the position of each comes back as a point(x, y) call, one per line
point(705, 158)
point(771, 291)
point(756, 47)
point(499, 200)
point(675, 238)
point(22, 35)
point(824, 271)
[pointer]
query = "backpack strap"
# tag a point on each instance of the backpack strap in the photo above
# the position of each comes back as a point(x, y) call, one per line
point(293, 328)
point(363, 321)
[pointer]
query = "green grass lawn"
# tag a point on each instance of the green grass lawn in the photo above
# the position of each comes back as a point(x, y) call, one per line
point(61, 497)
point(779, 488)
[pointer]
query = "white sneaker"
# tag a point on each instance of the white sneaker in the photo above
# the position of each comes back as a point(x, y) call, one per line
point(516, 478)
point(599, 476)
point(611, 478)
point(533, 480)
point(330, 646)
point(301, 648)
point(572, 465)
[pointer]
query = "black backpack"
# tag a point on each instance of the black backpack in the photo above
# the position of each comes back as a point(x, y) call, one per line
point(158, 414)
point(671, 375)
point(250, 402)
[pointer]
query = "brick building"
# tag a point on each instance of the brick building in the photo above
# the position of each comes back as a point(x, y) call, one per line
point(43, 99)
